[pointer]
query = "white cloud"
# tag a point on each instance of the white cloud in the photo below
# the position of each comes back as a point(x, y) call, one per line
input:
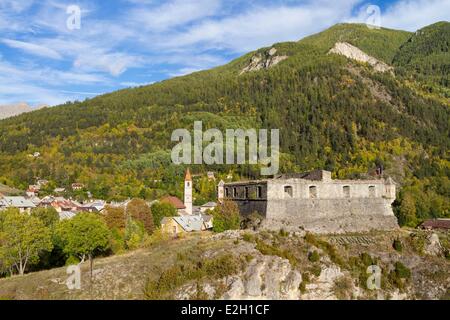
point(409, 15)
point(135, 84)
point(262, 26)
point(32, 48)
point(113, 63)
point(413, 15)
point(173, 37)
point(173, 13)
point(184, 71)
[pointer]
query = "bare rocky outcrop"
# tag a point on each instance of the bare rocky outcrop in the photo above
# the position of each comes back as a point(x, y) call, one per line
point(322, 289)
point(433, 246)
point(264, 60)
point(354, 53)
point(267, 277)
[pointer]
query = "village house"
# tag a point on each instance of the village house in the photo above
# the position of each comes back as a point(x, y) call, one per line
point(207, 206)
point(66, 215)
point(24, 205)
point(95, 206)
point(436, 224)
point(175, 202)
point(33, 190)
point(42, 183)
point(184, 224)
point(59, 190)
point(190, 218)
point(60, 204)
point(77, 186)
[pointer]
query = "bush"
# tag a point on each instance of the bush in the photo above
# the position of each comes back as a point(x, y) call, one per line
point(399, 275)
point(72, 260)
point(342, 288)
point(226, 217)
point(402, 271)
point(189, 268)
point(135, 234)
point(283, 233)
point(248, 237)
point(397, 245)
point(139, 210)
point(161, 210)
point(115, 217)
point(270, 250)
point(314, 256)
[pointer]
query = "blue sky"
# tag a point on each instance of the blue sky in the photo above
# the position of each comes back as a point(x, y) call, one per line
point(123, 43)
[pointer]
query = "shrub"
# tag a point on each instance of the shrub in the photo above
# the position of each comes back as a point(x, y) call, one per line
point(397, 245)
point(226, 217)
point(135, 234)
point(115, 217)
point(342, 288)
point(402, 271)
point(314, 256)
point(305, 280)
point(139, 210)
point(72, 260)
point(399, 275)
point(161, 210)
point(248, 237)
point(325, 246)
point(270, 250)
point(186, 269)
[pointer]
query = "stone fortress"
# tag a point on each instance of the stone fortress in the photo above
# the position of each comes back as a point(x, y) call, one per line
point(315, 202)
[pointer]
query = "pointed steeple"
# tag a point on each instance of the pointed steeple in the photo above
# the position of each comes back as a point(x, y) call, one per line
point(188, 176)
point(188, 192)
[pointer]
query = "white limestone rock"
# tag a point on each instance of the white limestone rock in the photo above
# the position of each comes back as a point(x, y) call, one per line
point(433, 246)
point(354, 53)
point(263, 61)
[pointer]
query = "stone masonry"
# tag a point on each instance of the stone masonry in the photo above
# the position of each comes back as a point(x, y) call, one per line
point(315, 202)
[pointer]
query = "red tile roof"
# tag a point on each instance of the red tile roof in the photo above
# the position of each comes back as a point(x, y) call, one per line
point(176, 202)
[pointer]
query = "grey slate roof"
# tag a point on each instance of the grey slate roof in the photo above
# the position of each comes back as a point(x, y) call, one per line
point(18, 202)
point(190, 223)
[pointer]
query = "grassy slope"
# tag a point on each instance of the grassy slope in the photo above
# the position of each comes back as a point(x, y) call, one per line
point(125, 276)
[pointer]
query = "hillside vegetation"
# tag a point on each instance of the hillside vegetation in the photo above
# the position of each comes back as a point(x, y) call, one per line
point(263, 265)
point(332, 112)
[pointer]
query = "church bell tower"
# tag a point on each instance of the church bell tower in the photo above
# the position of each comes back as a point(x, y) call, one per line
point(188, 192)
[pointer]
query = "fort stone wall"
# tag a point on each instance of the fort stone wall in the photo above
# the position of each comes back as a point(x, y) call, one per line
point(318, 203)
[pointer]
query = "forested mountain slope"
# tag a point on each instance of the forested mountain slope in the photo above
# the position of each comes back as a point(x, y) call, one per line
point(332, 112)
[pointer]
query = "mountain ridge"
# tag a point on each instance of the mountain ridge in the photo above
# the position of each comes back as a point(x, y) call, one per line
point(334, 113)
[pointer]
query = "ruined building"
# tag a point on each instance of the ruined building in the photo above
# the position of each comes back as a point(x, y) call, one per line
point(315, 202)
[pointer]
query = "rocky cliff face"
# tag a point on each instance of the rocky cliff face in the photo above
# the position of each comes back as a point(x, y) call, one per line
point(264, 265)
point(264, 60)
point(276, 271)
point(354, 53)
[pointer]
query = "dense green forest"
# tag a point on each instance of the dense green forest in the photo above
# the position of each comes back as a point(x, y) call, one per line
point(333, 113)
